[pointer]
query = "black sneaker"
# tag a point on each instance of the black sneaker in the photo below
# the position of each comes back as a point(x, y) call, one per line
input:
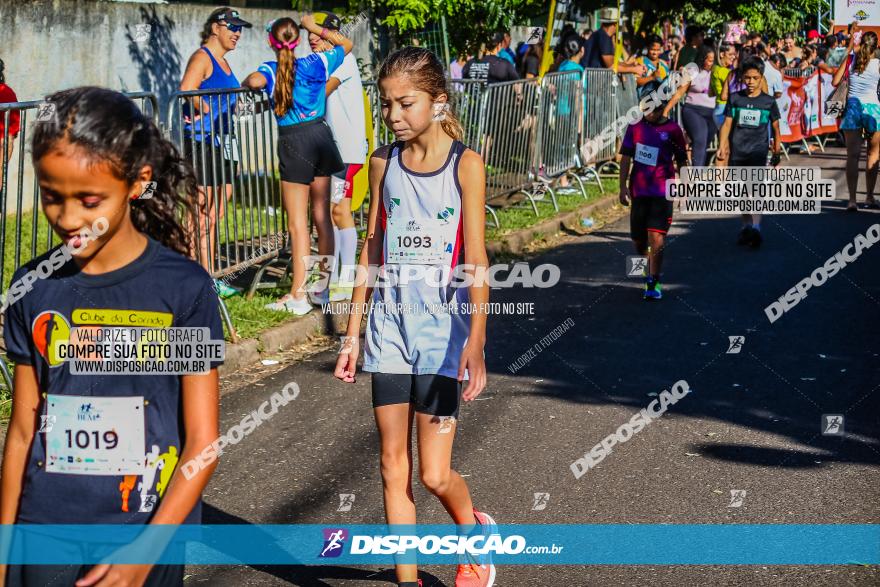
point(745, 235)
point(756, 239)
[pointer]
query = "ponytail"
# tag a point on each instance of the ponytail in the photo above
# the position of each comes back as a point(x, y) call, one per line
point(283, 36)
point(865, 52)
point(107, 127)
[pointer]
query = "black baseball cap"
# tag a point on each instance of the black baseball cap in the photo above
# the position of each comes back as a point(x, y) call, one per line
point(328, 20)
point(231, 16)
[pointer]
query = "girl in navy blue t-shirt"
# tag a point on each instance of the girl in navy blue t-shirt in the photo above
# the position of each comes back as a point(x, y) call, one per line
point(112, 189)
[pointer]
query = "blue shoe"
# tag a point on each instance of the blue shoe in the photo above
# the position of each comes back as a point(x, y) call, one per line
point(652, 290)
point(224, 290)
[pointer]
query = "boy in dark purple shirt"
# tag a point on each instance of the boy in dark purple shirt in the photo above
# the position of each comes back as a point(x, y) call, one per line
point(649, 152)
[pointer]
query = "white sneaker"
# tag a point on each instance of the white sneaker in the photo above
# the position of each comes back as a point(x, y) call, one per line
point(297, 307)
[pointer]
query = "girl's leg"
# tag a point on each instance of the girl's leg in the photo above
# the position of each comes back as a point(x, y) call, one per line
point(345, 242)
point(295, 197)
point(204, 228)
point(871, 168)
point(695, 126)
point(320, 195)
point(395, 436)
point(853, 140)
point(435, 468)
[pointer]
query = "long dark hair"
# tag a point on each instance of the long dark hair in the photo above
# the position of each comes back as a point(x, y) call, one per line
point(425, 72)
point(108, 127)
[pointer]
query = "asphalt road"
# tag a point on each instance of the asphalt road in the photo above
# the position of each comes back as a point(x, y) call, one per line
point(751, 423)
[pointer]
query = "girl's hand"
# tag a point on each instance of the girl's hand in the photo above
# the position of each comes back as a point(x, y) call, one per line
point(307, 20)
point(346, 364)
point(472, 359)
point(115, 576)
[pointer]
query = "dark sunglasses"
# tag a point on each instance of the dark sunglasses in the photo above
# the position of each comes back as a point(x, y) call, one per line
point(234, 28)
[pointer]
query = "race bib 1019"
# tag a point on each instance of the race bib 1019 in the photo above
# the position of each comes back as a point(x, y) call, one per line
point(88, 435)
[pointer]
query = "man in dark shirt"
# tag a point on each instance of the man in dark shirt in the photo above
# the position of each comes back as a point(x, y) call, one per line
point(490, 67)
point(599, 48)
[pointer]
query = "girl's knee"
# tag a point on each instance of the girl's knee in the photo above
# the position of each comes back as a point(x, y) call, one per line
point(395, 468)
point(435, 480)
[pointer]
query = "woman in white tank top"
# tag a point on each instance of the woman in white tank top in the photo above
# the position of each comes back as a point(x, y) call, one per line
point(424, 339)
point(862, 113)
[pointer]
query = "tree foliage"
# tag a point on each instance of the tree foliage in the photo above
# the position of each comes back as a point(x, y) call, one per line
point(773, 18)
point(469, 22)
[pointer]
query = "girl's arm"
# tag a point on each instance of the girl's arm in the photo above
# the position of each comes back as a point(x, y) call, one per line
point(335, 37)
point(201, 406)
point(472, 177)
point(254, 81)
point(725, 88)
point(19, 436)
point(622, 178)
point(724, 143)
point(197, 70)
point(332, 84)
point(371, 255)
point(681, 91)
point(841, 71)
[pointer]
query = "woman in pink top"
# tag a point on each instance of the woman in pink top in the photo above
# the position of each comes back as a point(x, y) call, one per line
point(697, 111)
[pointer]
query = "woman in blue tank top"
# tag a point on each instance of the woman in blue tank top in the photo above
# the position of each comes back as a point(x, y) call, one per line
point(209, 141)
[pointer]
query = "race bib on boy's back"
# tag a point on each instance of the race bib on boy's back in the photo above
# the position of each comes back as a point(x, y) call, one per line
point(418, 243)
point(646, 155)
point(92, 435)
point(749, 118)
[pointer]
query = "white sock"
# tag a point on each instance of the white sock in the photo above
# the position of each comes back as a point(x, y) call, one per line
point(347, 248)
point(334, 274)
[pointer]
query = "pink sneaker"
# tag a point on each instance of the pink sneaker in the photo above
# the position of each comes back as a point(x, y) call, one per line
point(478, 573)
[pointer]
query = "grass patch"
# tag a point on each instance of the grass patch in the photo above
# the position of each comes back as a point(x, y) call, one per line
point(250, 318)
point(523, 216)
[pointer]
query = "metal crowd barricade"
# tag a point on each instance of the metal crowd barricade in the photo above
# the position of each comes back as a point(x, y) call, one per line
point(233, 142)
point(509, 142)
point(599, 112)
point(465, 98)
point(24, 231)
point(560, 117)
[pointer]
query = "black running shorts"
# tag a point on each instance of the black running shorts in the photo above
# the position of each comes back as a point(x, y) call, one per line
point(437, 395)
point(748, 160)
point(209, 164)
point(649, 214)
point(307, 151)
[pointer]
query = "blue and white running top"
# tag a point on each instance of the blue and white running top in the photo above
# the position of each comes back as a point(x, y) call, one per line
point(413, 327)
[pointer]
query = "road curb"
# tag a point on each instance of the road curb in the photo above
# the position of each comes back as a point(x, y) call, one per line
point(284, 336)
point(515, 242)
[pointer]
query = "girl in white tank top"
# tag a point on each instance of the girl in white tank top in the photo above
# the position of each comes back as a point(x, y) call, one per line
point(425, 336)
